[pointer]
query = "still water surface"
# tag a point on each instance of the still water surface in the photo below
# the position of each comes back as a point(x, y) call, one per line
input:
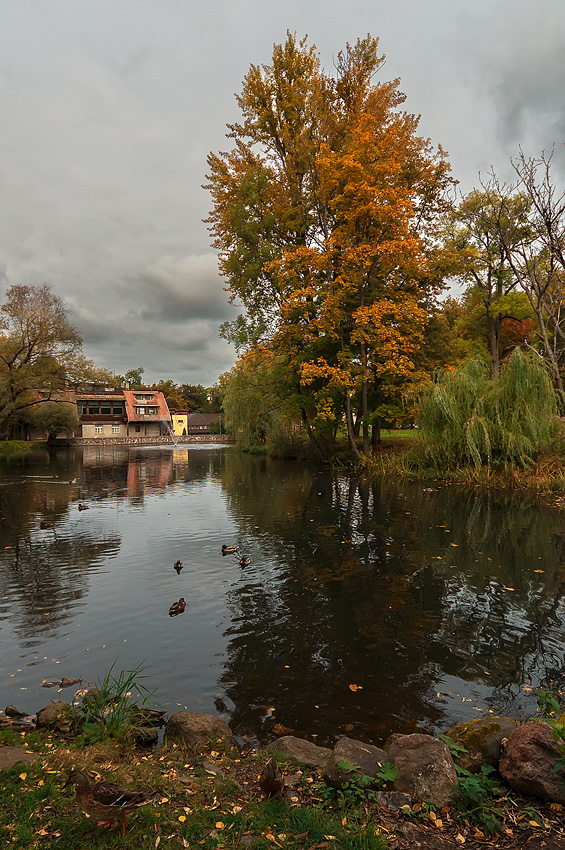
point(439, 606)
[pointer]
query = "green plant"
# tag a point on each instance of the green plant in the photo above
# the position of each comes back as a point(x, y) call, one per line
point(477, 792)
point(107, 712)
point(456, 750)
point(358, 786)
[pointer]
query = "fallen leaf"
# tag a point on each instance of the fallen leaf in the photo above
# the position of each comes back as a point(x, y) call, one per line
point(220, 825)
point(182, 818)
point(355, 687)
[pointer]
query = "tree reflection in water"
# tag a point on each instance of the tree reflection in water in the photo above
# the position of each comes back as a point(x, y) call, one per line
point(434, 605)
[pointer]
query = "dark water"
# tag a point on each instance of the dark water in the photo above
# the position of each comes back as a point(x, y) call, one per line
point(439, 606)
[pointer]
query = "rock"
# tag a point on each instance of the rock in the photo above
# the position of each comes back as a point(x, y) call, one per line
point(393, 800)
point(528, 760)
point(53, 717)
point(425, 768)
point(68, 682)
point(9, 756)
point(146, 737)
point(366, 759)
point(198, 730)
point(301, 750)
point(481, 738)
point(212, 769)
point(12, 711)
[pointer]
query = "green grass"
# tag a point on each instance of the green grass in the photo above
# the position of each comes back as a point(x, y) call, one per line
point(13, 448)
point(194, 809)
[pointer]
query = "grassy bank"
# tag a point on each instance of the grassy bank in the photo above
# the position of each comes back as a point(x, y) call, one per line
point(15, 448)
point(213, 800)
point(208, 800)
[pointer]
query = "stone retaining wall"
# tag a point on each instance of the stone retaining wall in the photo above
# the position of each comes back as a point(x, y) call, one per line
point(147, 441)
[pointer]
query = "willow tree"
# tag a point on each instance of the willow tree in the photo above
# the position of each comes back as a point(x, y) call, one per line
point(469, 417)
point(322, 218)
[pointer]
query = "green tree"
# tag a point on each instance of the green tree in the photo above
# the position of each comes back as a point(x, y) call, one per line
point(484, 226)
point(195, 398)
point(56, 418)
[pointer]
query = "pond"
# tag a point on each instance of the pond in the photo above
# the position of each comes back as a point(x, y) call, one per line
point(368, 607)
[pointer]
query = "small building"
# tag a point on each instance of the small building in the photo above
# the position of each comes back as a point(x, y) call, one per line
point(180, 422)
point(199, 423)
point(105, 413)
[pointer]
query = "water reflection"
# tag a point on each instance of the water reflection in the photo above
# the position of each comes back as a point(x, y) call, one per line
point(368, 607)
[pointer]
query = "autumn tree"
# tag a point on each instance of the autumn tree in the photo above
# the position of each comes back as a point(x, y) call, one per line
point(36, 340)
point(323, 214)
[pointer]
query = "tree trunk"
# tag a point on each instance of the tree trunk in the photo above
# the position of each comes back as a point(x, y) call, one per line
point(364, 404)
point(350, 431)
point(312, 437)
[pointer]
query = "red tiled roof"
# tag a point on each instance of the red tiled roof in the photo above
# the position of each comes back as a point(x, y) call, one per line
point(157, 400)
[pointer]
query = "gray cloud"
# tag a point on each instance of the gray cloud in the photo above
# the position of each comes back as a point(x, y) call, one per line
point(182, 290)
point(109, 110)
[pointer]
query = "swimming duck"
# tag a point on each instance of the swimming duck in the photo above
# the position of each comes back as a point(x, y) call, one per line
point(107, 801)
point(229, 550)
point(245, 561)
point(271, 781)
point(177, 607)
point(178, 565)
point(82, 507)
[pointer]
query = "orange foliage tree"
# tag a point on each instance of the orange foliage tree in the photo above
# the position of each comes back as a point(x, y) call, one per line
point(323, 217)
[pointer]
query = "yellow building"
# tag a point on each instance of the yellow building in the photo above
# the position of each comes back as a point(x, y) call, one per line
point(180, 422)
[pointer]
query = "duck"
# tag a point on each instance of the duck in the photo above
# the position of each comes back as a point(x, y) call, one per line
point(271, 781)
point(177, 607)
point(82, 507)
point(107, 801)
point(244, 561)
point(229, 550)
point(178, 565)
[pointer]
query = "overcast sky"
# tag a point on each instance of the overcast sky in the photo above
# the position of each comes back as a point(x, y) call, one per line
point(109, 108)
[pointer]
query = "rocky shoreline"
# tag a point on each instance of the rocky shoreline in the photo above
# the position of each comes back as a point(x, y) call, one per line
point(407, 769)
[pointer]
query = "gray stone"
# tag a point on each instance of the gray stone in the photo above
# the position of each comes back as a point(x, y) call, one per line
point(12, 711)
point(53, 717)
point(425, 768)
point(197, 730)
point(68, 682)
point(482, 739)
point(301, 750)
point(393, 800)
point(528, 760)
point(9, 756)
point(146, 737)
point(366, 760)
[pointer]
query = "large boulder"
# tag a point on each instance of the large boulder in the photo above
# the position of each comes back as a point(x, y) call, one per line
point(482, 739)
point(529, 759)
point(198, 730)
point(425, 768)
point(301, 750)
point(352, 758)
point(54, 717)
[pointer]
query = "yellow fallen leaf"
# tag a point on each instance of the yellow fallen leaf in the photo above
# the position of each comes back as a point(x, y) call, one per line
point(355, 687)
point(214, 754)
point(460, 838)
point(220, 825)
point(534, 823)
point(509, 588)
point(182, 818)
point(23, 776)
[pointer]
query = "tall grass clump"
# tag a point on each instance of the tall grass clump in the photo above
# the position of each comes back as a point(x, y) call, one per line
point(468, 418)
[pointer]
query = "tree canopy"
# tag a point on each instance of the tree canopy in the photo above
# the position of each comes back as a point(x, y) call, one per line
point(323, 214)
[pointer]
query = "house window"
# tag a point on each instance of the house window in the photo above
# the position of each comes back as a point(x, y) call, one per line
point(93, 407)
point(98, 429)
point(118, 408)
point(106, 408)
point(82, 408)
point(138, 428)
point(115, 429)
